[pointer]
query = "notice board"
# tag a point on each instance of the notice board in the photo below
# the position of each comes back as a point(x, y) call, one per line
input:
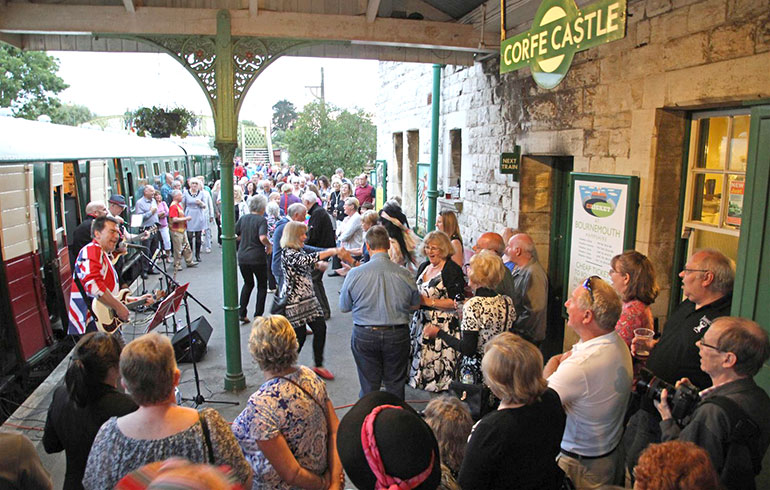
point(602, 223)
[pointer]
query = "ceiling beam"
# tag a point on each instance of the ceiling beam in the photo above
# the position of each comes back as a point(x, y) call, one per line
point(14, 40)
point(129, 4)
point(371, 10)
point(253, 8)
point(42, 18)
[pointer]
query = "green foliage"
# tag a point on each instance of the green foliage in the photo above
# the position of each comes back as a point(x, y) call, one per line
point(162, 123)
point(325, 137)
point(71, 115)
point(28, 82)
point(284, 115)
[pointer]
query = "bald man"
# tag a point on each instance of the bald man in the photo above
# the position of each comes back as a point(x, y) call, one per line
point(530, 288)
point(81, 236)
point(494, 243)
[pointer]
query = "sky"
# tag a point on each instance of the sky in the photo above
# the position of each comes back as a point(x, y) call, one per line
point(110, 83)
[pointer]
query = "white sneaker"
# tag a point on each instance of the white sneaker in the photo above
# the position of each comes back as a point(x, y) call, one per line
point(208, 250)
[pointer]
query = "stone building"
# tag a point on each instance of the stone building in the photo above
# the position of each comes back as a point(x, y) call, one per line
point(670, 103)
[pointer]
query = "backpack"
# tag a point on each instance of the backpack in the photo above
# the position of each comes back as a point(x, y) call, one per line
point(742, 457)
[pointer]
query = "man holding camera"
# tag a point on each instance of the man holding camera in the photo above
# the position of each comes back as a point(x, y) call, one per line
point(593, 381)
point(731, 352)
point(707, 284)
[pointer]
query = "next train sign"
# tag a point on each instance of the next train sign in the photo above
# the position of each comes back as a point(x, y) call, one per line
point(558, 31)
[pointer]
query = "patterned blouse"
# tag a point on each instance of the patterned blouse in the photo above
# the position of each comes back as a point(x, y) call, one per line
point(635, 315)
point(487, 316)
point(114, 455)
point(301, 305)
point(280, 408)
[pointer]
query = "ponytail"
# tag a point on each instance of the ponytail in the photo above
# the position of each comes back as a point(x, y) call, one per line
point(92, 358)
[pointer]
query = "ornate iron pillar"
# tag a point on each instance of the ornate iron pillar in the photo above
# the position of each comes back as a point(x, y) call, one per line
point(225, 67)
point(226, 140)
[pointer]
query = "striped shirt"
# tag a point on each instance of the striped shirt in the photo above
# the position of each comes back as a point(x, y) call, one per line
point(96, 273)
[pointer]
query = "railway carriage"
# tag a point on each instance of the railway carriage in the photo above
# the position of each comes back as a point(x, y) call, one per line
point(48, 173)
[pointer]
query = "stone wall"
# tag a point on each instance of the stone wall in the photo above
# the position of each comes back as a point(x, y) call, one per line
point(622, 109)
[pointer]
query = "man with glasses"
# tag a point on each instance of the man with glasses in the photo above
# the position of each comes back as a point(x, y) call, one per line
point(731, 353)
point(593, 380)
point(707, 285)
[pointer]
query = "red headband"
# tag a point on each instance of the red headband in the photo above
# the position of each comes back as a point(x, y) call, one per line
point(373, 458)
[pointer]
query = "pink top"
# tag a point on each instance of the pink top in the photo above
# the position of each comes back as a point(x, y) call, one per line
point(635, 315)
point(163, 208)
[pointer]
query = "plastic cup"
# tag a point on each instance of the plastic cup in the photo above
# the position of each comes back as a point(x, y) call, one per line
point(643, 341)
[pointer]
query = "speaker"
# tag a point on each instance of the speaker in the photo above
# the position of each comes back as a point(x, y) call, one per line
point(201, 333)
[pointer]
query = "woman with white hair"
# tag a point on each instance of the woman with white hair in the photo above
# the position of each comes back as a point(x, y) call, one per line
point(302, 305)
point(287, 198)
point(253, 245)
point(194, 202)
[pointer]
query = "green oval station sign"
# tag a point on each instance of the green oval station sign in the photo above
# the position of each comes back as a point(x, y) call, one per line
point(558, 31)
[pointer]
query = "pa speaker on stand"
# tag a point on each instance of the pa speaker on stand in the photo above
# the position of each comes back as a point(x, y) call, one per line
point(200, 330)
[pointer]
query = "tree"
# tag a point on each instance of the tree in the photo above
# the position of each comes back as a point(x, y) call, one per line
point(28, 82)
point(284, 115)
point(71, 115)
point(162, 123)
point(325, 137)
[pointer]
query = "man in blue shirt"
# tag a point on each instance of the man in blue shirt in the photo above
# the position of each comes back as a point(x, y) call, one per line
point(381, 295)
point(296, 212)
point(148, 208)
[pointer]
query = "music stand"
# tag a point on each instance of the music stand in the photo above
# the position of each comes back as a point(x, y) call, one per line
point(168, 307)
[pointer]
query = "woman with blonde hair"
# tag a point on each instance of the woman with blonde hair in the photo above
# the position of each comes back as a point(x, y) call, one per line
point(288, 430)
point(485, 315)
point(302, 305)
point(530, 413)
point(446, 221)
point(633, 277)
point(160, 428)
point(440, 282)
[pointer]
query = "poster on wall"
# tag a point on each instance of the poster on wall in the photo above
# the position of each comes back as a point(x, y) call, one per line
point(735, 204)
point(603, 211)
point(421, 223)
point(381, 183)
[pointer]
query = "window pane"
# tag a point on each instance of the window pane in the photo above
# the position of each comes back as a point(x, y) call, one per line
point(735, 185)
point(707, 196)
point(740, 144)
point(712, 143)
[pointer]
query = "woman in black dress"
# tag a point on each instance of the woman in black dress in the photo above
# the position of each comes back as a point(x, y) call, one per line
point(87, 399)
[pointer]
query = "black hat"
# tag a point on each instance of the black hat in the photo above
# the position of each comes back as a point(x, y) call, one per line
point(118, 199)
point(405, 442)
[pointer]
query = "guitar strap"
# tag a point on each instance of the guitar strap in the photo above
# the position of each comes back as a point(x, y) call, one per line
point(88, 299)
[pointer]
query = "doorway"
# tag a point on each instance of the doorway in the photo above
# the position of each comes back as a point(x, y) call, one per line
point(543, 216)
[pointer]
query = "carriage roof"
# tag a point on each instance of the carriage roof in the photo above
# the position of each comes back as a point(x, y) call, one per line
point(22, 140)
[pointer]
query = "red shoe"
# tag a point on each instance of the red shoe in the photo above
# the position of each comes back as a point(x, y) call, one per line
point(323, 372)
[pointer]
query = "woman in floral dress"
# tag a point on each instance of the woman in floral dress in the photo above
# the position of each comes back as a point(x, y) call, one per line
point(440, 281)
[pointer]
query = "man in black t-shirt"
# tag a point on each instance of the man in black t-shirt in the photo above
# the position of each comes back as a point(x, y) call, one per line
point(707, 284)
point(253, 247)
point(320, 233)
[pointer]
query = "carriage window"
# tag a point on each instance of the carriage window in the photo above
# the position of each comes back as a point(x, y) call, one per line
point(58, 211)
point(168, 167)
point(142, 171)
point(156, 167)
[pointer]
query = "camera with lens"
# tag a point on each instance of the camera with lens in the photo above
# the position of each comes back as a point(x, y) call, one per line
point(682, 400)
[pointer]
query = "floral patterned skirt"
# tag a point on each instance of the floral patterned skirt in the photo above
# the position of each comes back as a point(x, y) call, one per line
point(433, 362)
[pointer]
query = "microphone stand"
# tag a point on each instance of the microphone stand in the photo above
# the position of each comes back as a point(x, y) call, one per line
point(198, 399)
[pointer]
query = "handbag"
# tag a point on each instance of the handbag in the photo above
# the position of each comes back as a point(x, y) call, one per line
point(279, 305)
point(206, 438)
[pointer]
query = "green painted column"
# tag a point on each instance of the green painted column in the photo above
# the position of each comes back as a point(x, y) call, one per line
point(433, 174)
point(226, 140)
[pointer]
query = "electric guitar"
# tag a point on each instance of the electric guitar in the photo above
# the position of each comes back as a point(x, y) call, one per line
point(107, 320)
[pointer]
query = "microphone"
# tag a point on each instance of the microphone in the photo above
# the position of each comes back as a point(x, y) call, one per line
point(134, 245)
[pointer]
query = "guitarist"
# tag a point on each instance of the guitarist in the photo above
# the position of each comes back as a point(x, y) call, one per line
point(96, 277)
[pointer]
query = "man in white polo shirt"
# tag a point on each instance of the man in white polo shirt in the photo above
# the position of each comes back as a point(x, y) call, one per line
point(593, 381)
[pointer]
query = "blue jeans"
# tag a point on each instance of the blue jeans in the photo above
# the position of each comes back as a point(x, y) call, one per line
point(382, 357)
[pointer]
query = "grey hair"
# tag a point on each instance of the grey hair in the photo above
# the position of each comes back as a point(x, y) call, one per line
point(352, 201)
point(287, 188)
point(721, 266)
point(176, 192)
point(257, 203)
point(606, 305)
point(309, 196)
point(296, 208)
point(272, 209)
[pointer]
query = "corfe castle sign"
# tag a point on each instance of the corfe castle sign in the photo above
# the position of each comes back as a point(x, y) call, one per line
point(558, 31)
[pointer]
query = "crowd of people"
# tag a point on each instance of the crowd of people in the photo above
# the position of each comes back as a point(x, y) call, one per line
point(431, 314)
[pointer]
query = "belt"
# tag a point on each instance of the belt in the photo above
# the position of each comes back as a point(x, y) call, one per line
point(580, 456)
point(382, 327)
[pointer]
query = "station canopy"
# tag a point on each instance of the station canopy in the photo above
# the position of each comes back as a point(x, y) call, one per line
point(456, 32)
